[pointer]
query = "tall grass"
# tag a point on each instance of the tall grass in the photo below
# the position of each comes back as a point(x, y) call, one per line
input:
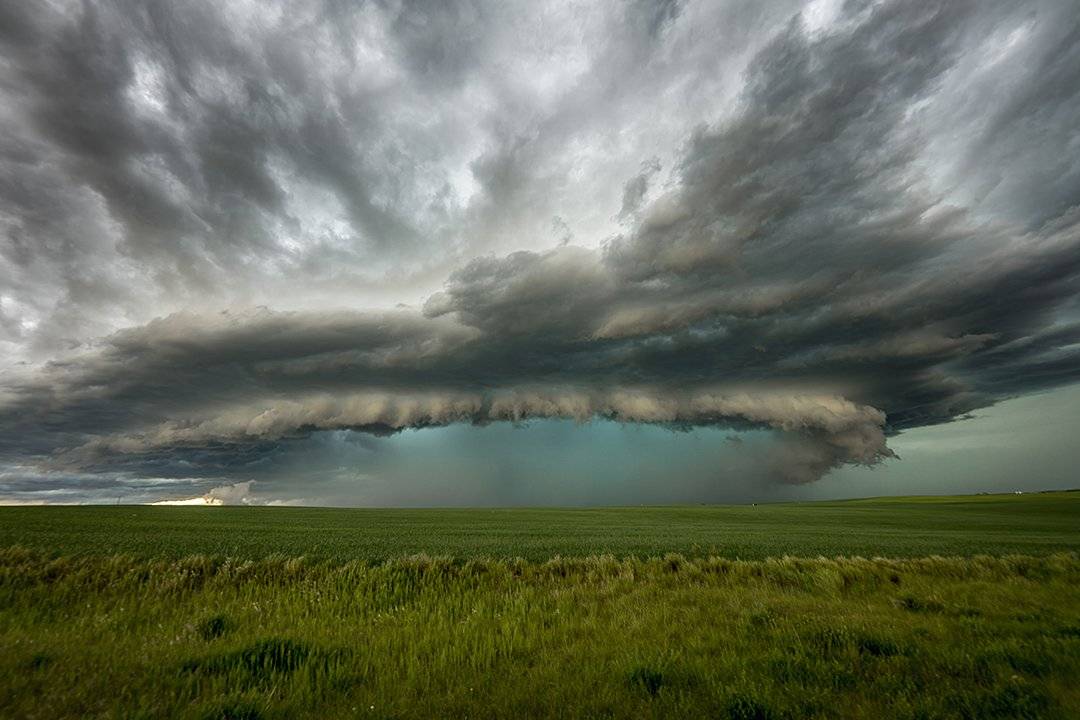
point(422, 636)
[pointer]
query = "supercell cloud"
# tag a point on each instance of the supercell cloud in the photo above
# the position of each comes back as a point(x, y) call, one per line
point(228, 228)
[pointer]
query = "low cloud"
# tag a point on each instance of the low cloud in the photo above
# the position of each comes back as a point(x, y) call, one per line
point(842, 431)
point(234, 494)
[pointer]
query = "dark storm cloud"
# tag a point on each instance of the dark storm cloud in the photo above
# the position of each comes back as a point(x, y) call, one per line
point(823, 262)
point(157, 150)
point(158, 157)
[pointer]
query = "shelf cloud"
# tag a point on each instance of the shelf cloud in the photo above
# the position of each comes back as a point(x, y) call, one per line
point(225, 229)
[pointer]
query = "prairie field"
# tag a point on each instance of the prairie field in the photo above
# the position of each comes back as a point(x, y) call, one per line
point(1036, 524)
point(906, 608)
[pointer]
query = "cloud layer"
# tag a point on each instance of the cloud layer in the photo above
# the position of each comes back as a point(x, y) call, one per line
point(833, 223)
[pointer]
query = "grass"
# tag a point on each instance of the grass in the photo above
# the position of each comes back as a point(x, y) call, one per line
point(895, 527)
point(199, 637)
point(263, 613)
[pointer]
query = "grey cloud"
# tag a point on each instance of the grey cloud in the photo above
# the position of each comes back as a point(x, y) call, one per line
point(160, 157)
point(841, 431)
point(808, 266)
point(635, 188)
point(26, 484)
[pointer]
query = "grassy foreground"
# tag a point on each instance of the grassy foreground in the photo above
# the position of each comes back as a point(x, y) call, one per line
point(421, 637)
point(260, 613)
point(1033, 524)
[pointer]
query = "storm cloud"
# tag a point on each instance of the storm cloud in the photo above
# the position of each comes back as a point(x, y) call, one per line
point(228, 230)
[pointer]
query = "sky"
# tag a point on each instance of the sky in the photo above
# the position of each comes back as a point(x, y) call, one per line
point(538, 253)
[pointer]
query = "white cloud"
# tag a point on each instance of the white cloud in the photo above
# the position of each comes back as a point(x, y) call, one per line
point(234, 494)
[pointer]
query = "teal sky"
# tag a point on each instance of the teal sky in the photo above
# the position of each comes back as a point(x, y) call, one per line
point(1027, 443)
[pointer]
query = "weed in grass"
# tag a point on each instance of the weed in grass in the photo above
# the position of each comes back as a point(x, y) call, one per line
point(213, 627)
point(1017, 700)
point(234, 711)
point(878, 647)
point(1028, 658)
point(742, 707)
point(1069, 631)
point(39, 661)
point(790, 671)
point(647, 679)
point(920, 605)
point(974, 671)
point(273, 655)
point(762, 618)
point(832, 641)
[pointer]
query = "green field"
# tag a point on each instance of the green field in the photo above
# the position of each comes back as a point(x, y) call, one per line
point(211, 613)
point(890, 527)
